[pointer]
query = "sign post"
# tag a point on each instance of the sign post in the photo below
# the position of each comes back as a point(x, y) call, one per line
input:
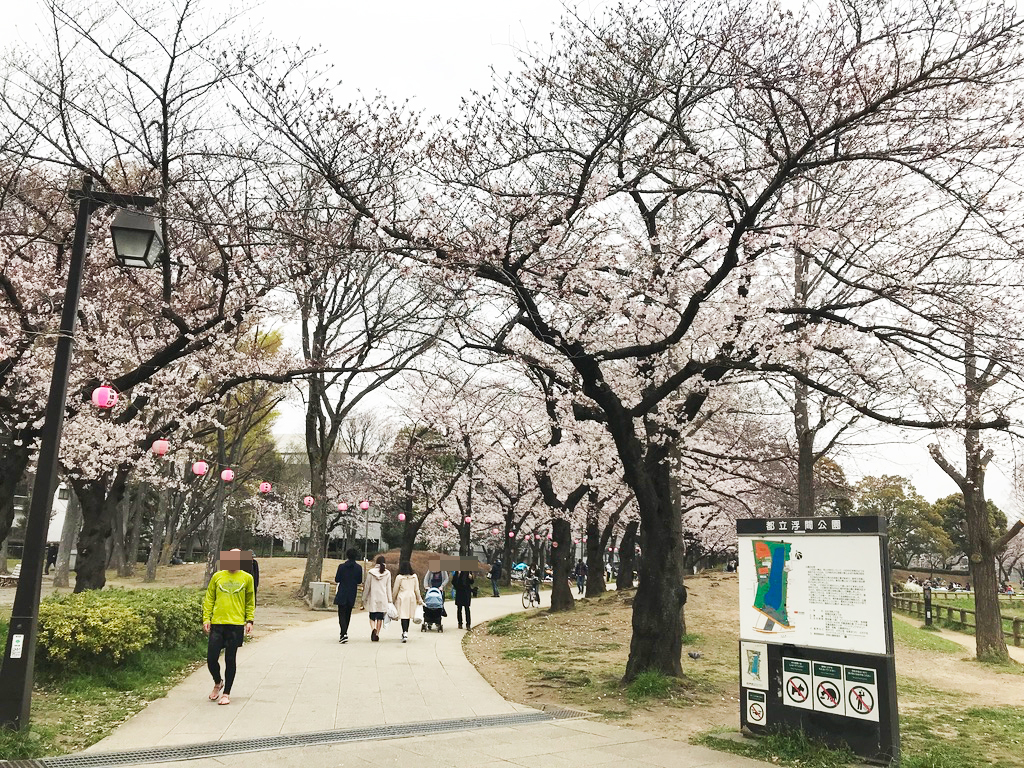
point(816, 647)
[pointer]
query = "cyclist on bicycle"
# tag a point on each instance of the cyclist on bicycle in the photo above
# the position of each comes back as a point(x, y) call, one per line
point(532, 580)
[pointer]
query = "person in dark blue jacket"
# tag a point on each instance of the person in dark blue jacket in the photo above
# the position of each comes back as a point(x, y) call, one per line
point(496, 576)
point(348, 578)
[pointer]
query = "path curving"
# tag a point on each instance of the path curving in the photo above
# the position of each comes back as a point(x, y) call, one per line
point(301, 680)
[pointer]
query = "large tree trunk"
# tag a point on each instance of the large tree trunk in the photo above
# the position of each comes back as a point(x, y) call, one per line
point(805, 452)
point(317, 529)
point(988, 633)
point(627, 550)
point(99, 510)
point(120, 528)
point(561, 564)
point(159, 535)
point(3, 557)
point(68, 540)
point(217, 525)
point(14, 460)
point(595, 561)
point(657, 641)
point(134, 532)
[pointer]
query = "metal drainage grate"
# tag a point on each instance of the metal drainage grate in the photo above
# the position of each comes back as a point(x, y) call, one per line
point(284, 741)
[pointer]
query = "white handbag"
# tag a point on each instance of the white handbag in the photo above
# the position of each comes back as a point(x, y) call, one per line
point(417, 617)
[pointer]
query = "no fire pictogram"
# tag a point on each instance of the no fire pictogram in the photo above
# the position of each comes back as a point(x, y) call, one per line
point(797, 688)
point(862, 700)
point(828, 694)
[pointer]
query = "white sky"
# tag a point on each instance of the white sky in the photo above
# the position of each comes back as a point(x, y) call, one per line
point(435, 53)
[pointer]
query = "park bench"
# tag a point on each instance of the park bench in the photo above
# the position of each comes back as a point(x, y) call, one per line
point(11, 579)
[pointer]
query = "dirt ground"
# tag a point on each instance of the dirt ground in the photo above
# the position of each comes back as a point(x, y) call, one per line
point(576, 659)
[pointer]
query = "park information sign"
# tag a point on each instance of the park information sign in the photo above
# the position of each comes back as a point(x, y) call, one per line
point(816, 648)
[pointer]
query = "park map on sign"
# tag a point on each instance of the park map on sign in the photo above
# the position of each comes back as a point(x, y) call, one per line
point(771, 559)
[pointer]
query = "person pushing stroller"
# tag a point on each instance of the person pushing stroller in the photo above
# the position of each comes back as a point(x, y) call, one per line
point(434, 583)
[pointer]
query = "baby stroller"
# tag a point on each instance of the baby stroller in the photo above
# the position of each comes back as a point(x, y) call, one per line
point(433, 610)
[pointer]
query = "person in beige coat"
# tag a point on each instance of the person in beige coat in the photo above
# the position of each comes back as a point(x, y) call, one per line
point(406, 596)
point(376, 596)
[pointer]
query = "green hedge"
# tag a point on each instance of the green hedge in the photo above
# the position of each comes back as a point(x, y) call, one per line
point(105, 626)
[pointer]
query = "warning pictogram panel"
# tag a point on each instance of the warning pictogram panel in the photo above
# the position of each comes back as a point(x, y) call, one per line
point(827, 681)
point(861, 693)
point(796, 683)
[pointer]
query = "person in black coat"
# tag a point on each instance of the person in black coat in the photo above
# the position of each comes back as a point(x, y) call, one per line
point(495, 577)
point(248, 564)
point(463, 585)
point(348, 578)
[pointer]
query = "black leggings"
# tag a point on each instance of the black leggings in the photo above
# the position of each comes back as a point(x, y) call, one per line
point(459, 610)
point(226, 637)
point(344, 616)
point(405, 625)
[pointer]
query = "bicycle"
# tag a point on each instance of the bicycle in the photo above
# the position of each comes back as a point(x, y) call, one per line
point(531, 595)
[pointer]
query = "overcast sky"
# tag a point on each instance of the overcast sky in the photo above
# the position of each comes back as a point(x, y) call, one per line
point(435, 53)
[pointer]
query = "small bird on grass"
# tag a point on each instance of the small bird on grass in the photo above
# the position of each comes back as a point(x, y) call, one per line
point(694, 655)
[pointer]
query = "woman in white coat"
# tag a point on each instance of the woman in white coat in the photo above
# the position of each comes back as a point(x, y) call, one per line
point(376, 595)
point(406, 595)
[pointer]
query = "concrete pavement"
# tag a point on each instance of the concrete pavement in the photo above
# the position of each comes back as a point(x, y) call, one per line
point(301, 680)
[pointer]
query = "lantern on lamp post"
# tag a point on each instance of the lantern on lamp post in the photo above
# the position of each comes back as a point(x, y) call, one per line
point(104, 397)
point(365, 506)
point(265, 487)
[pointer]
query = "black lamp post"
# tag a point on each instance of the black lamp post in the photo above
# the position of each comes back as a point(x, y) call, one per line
point(136, 243)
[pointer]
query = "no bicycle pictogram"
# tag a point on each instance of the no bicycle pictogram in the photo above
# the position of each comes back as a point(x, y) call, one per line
point(828, 694)
point(862, 700)
point(797, 689)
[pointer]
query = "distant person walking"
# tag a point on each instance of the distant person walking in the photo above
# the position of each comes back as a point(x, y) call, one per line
point(228, 612)
point(581, 577)
point(376, 595)
point(251, 567)
point(463, 583)
point(348, 577)
point(435, 577)
point(51, 557)
point(496, 576)
point(406, 595)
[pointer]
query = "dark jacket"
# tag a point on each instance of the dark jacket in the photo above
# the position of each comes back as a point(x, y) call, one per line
point(348, 578)
point(463, 584)
point(252, 567)
point(496, 571)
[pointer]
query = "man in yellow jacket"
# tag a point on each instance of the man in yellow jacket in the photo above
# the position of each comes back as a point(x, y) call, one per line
point(228, 612)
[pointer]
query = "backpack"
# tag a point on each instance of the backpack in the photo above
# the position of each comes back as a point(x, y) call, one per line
point(433, 599)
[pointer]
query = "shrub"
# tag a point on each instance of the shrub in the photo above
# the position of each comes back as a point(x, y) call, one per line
point(106, 626)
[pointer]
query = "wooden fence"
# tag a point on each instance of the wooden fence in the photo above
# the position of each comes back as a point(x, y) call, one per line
point(913, 603)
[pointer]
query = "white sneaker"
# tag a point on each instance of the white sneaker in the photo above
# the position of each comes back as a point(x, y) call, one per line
point(405, 636)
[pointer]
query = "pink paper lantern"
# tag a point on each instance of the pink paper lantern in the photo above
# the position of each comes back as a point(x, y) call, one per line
point(309, 501)
point(401, 518)
point(265, 487)
point(468, 519)
point(549, 537)
point(554, 543)
point(104, 397)
point(343, 507)
point(200, 468)
point(160, 447)
point(511, 535)
point(445, 523)
point(227, 475)
point(364, 505)
point(494, 531)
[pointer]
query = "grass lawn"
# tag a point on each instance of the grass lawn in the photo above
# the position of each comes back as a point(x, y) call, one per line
point(954, 712)
point(100, 698)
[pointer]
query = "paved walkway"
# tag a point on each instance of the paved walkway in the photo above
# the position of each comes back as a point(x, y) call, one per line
point(302, 680)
